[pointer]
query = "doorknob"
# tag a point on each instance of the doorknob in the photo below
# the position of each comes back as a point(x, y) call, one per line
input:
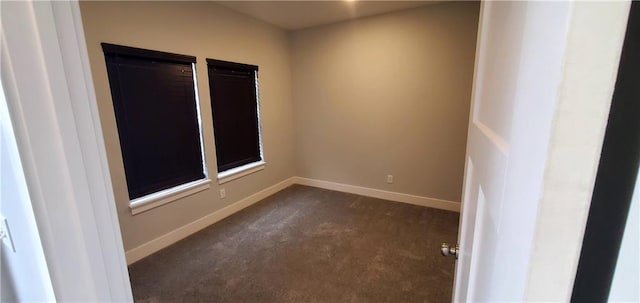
point(447, 250)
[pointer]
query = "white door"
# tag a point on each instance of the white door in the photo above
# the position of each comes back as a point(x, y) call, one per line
point(517, 74)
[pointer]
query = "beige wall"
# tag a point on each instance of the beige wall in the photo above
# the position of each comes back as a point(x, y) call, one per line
point(204, 30)
point(387, 95)
point(360, 100)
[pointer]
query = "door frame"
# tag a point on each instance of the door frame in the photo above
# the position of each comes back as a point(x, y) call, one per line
point(51, 99)
point(594, 44)
point(616, 178)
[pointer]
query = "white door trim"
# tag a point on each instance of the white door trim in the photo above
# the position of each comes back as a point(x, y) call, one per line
point(594, 45)
point(51, 100)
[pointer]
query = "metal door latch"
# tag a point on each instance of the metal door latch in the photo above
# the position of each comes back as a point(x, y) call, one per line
point(447, 250)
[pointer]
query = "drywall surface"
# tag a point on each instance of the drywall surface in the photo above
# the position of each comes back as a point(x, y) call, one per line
point(384, 95)
point(204, 30)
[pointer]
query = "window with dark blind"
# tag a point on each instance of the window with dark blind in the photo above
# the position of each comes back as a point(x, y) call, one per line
point(155, 107)
point(234, 102)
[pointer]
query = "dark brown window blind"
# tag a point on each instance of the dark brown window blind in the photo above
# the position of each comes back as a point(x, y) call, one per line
point(155, 107)
point(234, 102)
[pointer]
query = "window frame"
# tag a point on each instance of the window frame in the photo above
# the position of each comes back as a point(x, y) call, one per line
point(173, 192)
point(245, 169)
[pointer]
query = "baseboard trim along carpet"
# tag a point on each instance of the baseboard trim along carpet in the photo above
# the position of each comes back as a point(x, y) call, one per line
point(176, 235)
point(381, 194)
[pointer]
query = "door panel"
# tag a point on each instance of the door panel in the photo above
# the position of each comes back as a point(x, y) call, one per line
point(496, 85)
point(488, 152)
point(518, 70)
point(466, 235)
point(487, 149)
point(483, 251)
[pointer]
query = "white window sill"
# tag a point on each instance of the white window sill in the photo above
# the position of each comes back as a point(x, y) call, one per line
point(240, 171)
point(154, 200)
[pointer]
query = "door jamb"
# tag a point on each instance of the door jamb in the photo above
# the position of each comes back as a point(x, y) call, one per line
point(53, 107)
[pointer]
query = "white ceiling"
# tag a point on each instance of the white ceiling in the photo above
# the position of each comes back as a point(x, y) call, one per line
point(292, 15)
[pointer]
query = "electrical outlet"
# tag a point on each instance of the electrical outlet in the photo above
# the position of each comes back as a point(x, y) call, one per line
point(5, 234)
point(223, 193)
point(389, 179)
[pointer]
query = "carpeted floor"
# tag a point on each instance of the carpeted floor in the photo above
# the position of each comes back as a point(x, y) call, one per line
point(306, 244)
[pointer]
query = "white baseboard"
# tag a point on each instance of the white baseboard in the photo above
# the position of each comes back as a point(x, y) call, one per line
point(381, 194)
point(176, 235)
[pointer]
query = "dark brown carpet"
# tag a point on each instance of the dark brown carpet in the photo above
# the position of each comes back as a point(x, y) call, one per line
point(306, 244)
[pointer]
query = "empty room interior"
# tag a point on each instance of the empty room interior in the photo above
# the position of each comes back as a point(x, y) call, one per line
point(319, 151)
point(285, 151)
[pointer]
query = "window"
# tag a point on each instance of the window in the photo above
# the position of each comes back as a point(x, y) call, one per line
point(156, 111)
point(236, 124)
